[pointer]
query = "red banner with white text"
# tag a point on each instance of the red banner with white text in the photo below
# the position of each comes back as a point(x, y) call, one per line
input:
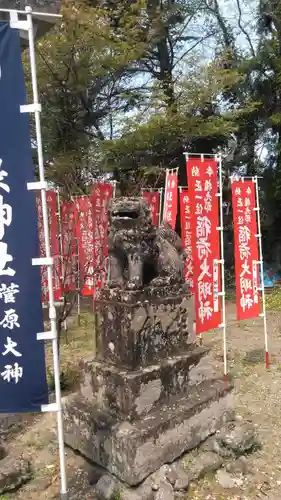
point(153, 199)
point(51, 197)
point(69, 218)
point(171, 198)
point(85, 237)
point(245, 249)
point(101, 195)
point(186, 236)
point(203, 190)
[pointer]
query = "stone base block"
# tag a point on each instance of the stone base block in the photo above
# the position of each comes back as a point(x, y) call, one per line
point(133, 450)
point(135, 329)
point(132, 394)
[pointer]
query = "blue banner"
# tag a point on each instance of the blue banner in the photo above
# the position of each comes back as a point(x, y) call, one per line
point(23, 386)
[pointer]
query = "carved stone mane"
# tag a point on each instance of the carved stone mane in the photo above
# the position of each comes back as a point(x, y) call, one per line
point(140, 254)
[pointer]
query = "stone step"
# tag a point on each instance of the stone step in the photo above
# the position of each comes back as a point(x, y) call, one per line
point(133, 450)
point(134, 393)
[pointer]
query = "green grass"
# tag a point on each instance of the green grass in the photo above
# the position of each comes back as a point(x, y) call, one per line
point(76, 346)
point(230, 295)
point(273, 300)
point(115, 496)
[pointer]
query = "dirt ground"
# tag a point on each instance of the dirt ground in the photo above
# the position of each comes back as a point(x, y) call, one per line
point(257, 397)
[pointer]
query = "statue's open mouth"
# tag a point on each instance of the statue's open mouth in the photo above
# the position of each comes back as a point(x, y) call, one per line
point(125, 214)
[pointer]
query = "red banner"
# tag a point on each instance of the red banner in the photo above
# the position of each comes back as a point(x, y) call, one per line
point(203, 189)
point(85, 239)
point(171, 198)
point(69, 217)
point(153, 199)
point(245, 249)
point(186, 235)
point(101, 195)
point(54, 243)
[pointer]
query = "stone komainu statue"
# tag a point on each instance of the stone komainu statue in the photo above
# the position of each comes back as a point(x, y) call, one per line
point(140, 254)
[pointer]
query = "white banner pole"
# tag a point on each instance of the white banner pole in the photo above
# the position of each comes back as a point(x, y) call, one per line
point(36, 108)
point(160, 205)
point(60, 232)
point(164, 201)
point(222, 293)
point(186, 155)
point(114, 185)
point(263, 314)
point(62, 277)
point(200, 335)
point(41, 14)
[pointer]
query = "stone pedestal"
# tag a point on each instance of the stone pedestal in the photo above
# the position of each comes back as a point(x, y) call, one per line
point(134, 393)
point(133, 450)
point(135, 329)
point(151, 394)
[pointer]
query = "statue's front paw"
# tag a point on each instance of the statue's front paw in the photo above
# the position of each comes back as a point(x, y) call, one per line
point(158, 282)
point(165, 280)
point(134, 284)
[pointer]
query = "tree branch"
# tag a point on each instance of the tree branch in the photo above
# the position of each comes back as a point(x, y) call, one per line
point(245, 33)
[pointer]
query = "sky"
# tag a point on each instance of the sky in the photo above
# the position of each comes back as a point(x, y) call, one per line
point(204, 52)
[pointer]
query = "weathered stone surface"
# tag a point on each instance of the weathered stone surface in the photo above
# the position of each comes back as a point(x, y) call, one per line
point(171, 482)
point(131, 394)
point(139, 253)
point(142, 313)
point(10, 423)
point(233, 439)
point(239, 466)
point(191, 318)
point(3, 450)
point(172, 475)
point(205, 462)
point(127, 494)
point(109, 485)
point(180, 495)
point(203, 370)
point(132, 451)
point(109, 488)
point(211, 444)
point(238, 437)
point(183, 480)
point(225, 479)
point(138, 328)
point(106, 487)
point(14, 472)
point(152, 484)
point(228, 481)
point(149, 396)
point(165, 491)
point(177, 477)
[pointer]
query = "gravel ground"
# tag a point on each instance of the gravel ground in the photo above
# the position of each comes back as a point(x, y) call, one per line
point(257, 398)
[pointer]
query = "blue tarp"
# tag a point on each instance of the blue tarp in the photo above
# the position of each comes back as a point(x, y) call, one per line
point(270, 277)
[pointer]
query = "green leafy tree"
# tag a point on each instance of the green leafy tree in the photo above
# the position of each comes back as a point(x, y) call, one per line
point(83, 85)
point(200, 124)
